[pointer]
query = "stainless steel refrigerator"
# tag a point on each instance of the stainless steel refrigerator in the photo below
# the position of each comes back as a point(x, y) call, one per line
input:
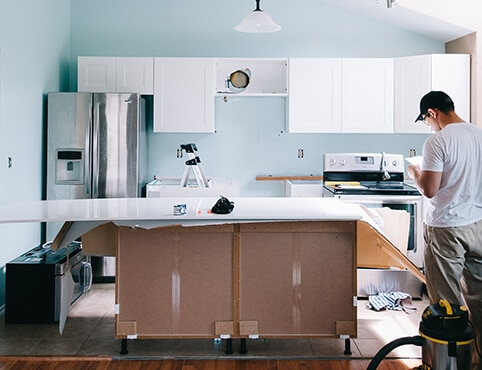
point(96, 148)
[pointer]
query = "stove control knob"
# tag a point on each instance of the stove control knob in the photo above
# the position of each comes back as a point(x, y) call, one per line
point(332, 162)
point(343, 162)
point(395, 163)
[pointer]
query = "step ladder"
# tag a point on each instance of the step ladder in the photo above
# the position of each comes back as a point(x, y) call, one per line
point(193, 164)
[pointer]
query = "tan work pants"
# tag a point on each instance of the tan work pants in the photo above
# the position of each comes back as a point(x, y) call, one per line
point(453, 268)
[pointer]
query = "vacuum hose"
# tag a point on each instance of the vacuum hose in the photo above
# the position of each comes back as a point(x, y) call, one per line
point(386, 349)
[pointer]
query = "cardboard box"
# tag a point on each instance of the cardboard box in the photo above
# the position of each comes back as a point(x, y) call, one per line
point(396, 225)
point(101, 241)
point(376, 250)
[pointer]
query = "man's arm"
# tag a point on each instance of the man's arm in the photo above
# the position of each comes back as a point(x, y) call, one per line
point(428, 182)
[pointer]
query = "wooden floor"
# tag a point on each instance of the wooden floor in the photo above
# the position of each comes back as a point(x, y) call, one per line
point(97, 363)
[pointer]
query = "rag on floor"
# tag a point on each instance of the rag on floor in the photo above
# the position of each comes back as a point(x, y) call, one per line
point(397, 301)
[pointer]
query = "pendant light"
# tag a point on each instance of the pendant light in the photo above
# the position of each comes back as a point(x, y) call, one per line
point(257, 22)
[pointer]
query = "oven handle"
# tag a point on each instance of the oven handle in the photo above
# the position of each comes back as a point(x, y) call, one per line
point(360, 199)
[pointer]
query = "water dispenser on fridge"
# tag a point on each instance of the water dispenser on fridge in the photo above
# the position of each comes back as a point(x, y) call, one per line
point(69, 167)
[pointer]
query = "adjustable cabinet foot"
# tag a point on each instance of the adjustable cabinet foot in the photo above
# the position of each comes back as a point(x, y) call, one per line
point(347, 347)
point(229, 346)
point(124, 350)
point(243, 350)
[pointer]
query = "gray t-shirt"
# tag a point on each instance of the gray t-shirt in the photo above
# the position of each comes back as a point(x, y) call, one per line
point(456, 151)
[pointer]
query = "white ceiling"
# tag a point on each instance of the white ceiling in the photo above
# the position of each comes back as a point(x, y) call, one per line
point(406, 18)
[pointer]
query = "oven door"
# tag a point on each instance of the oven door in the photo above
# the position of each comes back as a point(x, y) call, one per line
point(81, 271)
point(412, 205)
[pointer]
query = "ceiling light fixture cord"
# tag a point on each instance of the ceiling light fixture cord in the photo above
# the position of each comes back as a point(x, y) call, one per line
point(391, 3)
point(258, 9)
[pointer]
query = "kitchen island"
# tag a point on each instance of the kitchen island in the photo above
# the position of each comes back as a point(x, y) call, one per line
point(274, 267)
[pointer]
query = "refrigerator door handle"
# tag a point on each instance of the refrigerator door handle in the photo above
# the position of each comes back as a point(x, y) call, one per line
point(95, 151)
point(88, 159)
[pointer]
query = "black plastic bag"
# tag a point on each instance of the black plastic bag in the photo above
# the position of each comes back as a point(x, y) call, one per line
point(223, 206)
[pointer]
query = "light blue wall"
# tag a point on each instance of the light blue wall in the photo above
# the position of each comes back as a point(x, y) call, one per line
point(40, 42)
point(34, 59)
point(250, 138)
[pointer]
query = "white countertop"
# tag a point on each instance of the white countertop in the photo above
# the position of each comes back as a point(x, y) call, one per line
point(87, 214)
point(152, 209)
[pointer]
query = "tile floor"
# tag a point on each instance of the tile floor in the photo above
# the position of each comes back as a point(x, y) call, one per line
point(89, 331)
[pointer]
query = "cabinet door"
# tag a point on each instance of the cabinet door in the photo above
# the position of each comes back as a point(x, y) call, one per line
point(413, 76)
point(367, 95)
point(451, 74)
point(96, 74)
point(135, 75)
point(314, 103)
point(184, 95)
point(417, 75)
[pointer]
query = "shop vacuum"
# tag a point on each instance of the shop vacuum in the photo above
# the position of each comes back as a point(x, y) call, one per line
point(446, 338)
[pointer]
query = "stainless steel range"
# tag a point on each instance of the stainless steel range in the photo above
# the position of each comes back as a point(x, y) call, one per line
point(376, 180)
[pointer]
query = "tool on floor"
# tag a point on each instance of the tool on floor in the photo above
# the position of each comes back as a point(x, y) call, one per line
point(446, 338)
point(193, 164)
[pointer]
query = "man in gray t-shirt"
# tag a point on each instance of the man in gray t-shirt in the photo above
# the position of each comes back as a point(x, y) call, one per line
point(450, 177)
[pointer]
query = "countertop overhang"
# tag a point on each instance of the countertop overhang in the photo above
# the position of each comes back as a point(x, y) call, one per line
point(160, 210)
point(82, 215)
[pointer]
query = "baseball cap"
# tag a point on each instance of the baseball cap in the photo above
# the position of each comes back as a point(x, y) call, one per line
point(434, 100)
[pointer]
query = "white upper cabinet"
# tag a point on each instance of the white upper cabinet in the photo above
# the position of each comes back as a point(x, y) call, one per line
point(96, 74)
point(367, 95)
point(135, 75)
point(112, 74)
point(314, 102)
point(184, 95)
point(417, 75)
point(324, 95)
